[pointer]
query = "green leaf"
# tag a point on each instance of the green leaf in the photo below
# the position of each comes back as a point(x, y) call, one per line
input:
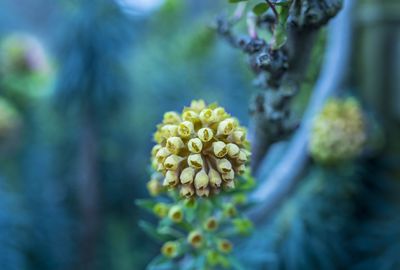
point(282, 2)
point(260, 8)
point(152, 231)
point(160, 263)
point(147, 204)
point(237, 1)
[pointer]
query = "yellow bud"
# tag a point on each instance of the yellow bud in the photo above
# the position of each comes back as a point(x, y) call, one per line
point(230, 184)
point(215, 178)
point(170, 249)
point(195, 238)
point(233, 149)
point(197, 105)
point(172, 162)
point(224, 165)
point(219, 114)
point(203, 192)
point(211, 224)
point(162, 154)
point(171, 118)
point(205, 134)
point(190, 116)
point(171, 178)
point(160, 210)
point(169, 131)
point(228, 175)
point(206, 116)
point(242, 157)
point(174, 144)
point(176, 213)
point(185, 129)
point(241, 169)
point(195, 145)
point(155, 149)
point(225, 246)
point(201, 180)
point(226, 127)
point(187, 175)
point(219, 149)
point(195, 161)
point(238, 136)
point(187, 191)
point(154, 187)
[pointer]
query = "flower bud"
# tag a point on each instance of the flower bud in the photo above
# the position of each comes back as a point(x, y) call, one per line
point(170, 249)
point(203, 192)
point(219, 149)
point(160, 210)
point(187, 175)
point(176, 213)
point(174, 144)
point(215, 178)
point(224, 246)
point(238, 136)
point(197, 105)
point(219, 114)
point(171, 118)
point(242, 157)
point(226, 127)
point(228, 175)
point(229, 210)
point(224, 165)
point(185, 129)
point(201, 180)
point(211, 224)
point(195, 145)
point(205, 134)
point(155, 149)
point(171, 178)
point(195, 238)
point(241, 169)
point(190, 116)
point(169, 131)
point(195, 161)
point(206, 116)
point(187, 191)
point(162, 154)
point(172, 162)
point(233, 150)
point(229, 184)
point(154, 187)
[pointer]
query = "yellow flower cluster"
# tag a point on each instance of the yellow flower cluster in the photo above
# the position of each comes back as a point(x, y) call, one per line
point(200, 150)
point(338, 132)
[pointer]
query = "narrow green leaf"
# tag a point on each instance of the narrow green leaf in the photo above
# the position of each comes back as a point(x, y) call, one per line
point(152, 231)
point(237, 1)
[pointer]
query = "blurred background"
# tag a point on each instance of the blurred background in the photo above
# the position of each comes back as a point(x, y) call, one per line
point(83, 85)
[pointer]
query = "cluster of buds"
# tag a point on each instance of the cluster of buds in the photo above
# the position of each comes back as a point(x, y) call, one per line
point(200, 150)
point(338, 132)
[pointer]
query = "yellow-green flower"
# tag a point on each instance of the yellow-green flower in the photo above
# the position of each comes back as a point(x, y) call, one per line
point(154, 187)
point(195, 238)
point(224, 246)
point(160, 210)
point(176, 213)
point(170, 249)
point(200, 150)
point(211, 224)
point(338, 132)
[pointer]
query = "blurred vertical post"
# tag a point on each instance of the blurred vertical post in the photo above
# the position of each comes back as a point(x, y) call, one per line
point(91, 88)
point(377, 55)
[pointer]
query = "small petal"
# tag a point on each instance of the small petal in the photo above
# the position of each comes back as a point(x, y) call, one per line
point(205, 134)
point(201, 180)
point(226, 127)
point(187, 175)
point(215, 178)
point(195, 161)
point(162, 154)
point(172, 162)
point(195, 145)
point(185, 129)
point(219, 149)
point(233, 150)
point(171, 178)
point(174, 144)
point(224, 165)
point(206, 116)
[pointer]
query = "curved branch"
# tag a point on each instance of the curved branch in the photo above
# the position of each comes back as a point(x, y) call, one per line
point(285, 174)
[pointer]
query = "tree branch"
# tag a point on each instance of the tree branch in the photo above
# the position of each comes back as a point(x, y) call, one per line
point(280, 181)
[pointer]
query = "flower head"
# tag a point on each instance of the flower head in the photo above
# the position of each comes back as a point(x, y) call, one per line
point(338, 132)
point(170, 249)
point(200, 150)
